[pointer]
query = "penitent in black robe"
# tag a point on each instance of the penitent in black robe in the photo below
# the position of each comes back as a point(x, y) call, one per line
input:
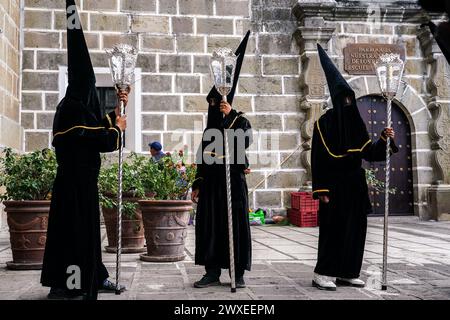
point(79, 136)
point(340, 143)
point(73, 237)
point(343, 221)
point(211, 224)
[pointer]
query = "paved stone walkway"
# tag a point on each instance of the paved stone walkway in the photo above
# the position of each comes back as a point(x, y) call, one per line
point(284, 258)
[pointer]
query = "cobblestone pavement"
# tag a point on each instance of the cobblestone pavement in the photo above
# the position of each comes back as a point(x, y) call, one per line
point(284, 258)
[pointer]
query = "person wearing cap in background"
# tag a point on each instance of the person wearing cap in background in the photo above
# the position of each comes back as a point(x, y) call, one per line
point(156, 151)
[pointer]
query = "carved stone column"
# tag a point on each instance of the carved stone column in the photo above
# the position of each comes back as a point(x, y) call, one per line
point(438, 87)
point(312, 29)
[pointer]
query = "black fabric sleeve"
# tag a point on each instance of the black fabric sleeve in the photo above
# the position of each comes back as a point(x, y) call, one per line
point(243, 124)
point(319, 166)
point(98, 139)
point(198, 178)
point(74, 126)
point(101, 140)
point(200, 166)
point(237, 121)
point(394, 148)
point(376, 152)
point(247, 127)
point(110, 120)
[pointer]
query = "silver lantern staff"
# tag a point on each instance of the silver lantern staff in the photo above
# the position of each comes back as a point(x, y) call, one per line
point(122, 60)
point(389, 69)
point(223, 65)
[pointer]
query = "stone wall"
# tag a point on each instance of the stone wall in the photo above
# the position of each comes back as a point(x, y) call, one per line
point(335, 24)
point(175, 39)
point(10, 133)
point(10, 130)
point(282, 88)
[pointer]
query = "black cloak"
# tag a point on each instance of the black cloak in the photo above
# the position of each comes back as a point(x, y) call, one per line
point(440, 32)
point(340, 142)
point(211, 227)
point(443, 41)
point(435, 6)
point(79, 135)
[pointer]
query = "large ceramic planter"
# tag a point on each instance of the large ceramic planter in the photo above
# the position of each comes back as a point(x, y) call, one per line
point(133, 240)
point(165, 224)
point(27, 221)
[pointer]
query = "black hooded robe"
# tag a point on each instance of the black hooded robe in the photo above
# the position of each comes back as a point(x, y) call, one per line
point(73, 236)
point(343, 221)
point(440, 32)
point(79, 136)
point(211, 224)
point(340, 143)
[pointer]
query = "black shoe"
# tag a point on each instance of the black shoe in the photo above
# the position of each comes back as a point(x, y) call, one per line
point(207, 281)
point(109, 286)
point(64, 294)
point(240, 283)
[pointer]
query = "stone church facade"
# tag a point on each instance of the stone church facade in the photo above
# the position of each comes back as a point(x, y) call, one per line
point(282, 88)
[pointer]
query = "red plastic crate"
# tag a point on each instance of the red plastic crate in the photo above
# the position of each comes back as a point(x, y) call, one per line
point(304, 201)
point(305, 219)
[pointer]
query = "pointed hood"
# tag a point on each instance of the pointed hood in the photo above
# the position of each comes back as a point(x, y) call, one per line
point(78, 59)
point(80, 106)
point(81, 76)
point(342, 128)
point(337, 85)
point(214, 115)
point(443, 42)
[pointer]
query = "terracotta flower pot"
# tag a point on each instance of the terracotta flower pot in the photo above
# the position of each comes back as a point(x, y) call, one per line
point(27, 221)
point(165, 224)
point(133, 240)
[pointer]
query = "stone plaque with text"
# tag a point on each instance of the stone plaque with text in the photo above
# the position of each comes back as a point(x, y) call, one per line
point(359, 58)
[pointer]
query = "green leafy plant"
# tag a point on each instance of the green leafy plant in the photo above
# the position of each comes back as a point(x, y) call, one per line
point(27, 176)
point(131, 184)
point(170, 178)
point(376, 184)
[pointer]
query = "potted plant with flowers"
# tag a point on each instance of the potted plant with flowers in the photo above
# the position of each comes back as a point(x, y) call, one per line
point(26, 182)
point(166, 215)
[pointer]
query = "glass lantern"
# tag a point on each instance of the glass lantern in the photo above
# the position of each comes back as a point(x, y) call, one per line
point(122, 61)
point(389, 69)
point(223, 66)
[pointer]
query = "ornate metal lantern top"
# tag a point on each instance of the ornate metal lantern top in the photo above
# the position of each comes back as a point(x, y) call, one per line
point(122, 60)
point(223, 66)
point(389, 69)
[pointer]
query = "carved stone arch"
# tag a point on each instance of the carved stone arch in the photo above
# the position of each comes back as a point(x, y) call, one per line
point(407, 99)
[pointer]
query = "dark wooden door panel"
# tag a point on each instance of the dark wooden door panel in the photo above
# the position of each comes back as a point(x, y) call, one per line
point(373, 111)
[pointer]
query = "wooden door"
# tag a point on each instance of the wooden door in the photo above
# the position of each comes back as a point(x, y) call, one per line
point(373, 111)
